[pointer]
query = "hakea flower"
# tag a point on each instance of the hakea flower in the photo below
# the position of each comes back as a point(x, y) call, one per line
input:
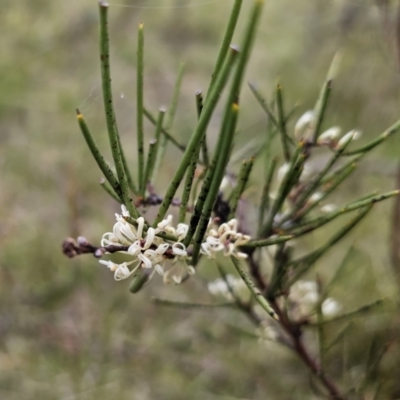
point(147, 249)
point(225, 239)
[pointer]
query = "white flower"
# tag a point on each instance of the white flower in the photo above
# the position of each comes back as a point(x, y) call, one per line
point(121, 271)
point(151, 252)
point(123, 233)
point(225, 239)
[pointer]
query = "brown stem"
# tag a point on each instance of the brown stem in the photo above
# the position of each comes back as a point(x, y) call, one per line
point(293, 330)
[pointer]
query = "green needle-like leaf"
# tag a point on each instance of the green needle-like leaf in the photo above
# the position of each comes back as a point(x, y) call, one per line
point(282, 123)
point(139, 109)
point(239, 189)
point(104, 167)
point(110, 191)
point(373, 143)
point(165, 132)
point(254, 290)
point(109, 110)
point(226, 42)
point(198, 135)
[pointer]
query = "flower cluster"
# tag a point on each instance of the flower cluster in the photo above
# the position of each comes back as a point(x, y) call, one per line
point(153, 252)
point(304, 297)
point(149, 250)
point(225, 239)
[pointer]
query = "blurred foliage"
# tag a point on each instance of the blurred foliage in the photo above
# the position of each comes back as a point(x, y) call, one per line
point(67, 330)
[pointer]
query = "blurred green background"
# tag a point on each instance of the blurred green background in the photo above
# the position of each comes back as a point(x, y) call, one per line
point(67, 330)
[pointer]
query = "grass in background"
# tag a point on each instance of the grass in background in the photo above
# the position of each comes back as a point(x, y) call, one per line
point(66, 329)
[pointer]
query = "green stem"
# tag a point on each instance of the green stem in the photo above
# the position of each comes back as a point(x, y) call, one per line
point(110, 191)
point(282, 123)
point(288, 181)
point(215, 176)
point(151, 160)
point(369, 146)
point(224, 145)
point(139, 109)
point(104, 167)
point(308, 225)
point(254, 290)
point(264, 105)
point(197, 137)
point(109, 109)
point(204, 147)
point(265, 200)
point(320, 109)
point(180, 304)
point(243, 177)
point(306, 262)
point(226, 42)
point(164, 131)
point(160, 120)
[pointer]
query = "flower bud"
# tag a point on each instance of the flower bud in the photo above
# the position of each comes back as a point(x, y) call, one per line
point(352, 135)
point(329, 135)
point(303, 124)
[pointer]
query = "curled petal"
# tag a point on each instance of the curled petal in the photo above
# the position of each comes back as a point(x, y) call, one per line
point(179, 249)
point(165, 222)
point(135, 248)
point(181, 231)
point(149, 238)
point(227, 234)
point(145, 261)
point(140, 222)
point(162, 248)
